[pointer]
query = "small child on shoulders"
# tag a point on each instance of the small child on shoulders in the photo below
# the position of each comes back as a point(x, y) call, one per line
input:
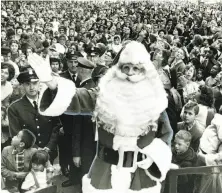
point(41, 172)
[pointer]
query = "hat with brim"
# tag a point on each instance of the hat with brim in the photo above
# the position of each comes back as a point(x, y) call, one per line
point(27, 75)
point(73, 55)
point(84, 63)
point(98, 71)
point(51, 59)
point(95, 51)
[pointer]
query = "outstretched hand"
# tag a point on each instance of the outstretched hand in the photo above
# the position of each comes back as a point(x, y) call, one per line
point(42, 67)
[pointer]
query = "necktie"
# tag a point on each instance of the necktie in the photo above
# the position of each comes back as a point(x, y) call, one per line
point(35, 105)
point(74, 78)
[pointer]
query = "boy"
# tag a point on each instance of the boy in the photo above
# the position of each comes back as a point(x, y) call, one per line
point(184, 156)
point(16, 159)
point(211, 81)
point(191, 109)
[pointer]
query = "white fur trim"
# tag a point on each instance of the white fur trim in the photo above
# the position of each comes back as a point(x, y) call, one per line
point(127, 143)
point(161, 155)
point(129, 109)
point(117, 176)
point(88, 188)
point(134, 53)
point(66, 91)
point(217, 120)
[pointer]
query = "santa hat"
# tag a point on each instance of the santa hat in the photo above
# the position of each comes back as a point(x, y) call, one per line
point(135, 53)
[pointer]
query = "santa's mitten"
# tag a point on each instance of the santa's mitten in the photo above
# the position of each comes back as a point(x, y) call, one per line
point(145, 163)
point(42, 68)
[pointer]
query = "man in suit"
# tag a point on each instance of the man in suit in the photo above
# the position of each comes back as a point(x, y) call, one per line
point(23, 114)
point(65, 140)
point(74, 61)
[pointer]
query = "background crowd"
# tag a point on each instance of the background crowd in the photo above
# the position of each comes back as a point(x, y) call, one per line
point(80, 40)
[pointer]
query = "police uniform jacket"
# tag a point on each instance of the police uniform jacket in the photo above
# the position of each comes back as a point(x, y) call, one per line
point(22, 115)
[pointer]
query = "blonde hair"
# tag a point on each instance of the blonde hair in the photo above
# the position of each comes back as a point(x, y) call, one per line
point(184, 135)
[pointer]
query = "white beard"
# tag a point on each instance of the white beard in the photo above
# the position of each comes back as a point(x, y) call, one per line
point(128, 108)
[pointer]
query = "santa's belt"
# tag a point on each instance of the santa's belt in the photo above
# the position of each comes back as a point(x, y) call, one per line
point(111, 156)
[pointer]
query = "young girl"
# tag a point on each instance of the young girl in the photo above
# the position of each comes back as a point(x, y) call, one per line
point(199, 77)
point(40, 175)
point(190, 88)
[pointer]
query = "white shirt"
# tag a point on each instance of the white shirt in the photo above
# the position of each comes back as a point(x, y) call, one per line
point(71, 74)
point(31, 100)
point(30, 182)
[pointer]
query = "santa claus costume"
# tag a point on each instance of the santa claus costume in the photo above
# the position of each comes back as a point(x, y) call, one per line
point(126, 106)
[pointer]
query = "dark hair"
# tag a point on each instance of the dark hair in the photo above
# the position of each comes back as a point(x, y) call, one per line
point(218, 66)
point(195, 62)
point(220, 47)
point(206, 96)
point(62, 36)
point(165, 55)
point(45, 44)
point(162, 30)
point(40, 157)
point(153, 38)
point(28, 138)
point(29, 47)
point(192, 105)
point(88, 35)
point(214, 50)
point(13, 41)
point(116, 37)
point(11, 70)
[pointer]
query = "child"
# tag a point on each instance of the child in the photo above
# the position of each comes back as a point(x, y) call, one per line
point(40, 176)
point(199, 77)
point(116, 45)
point(184, 156)
point(16, 159)
point(190, 88)
point(191, 109)
point(211, 81)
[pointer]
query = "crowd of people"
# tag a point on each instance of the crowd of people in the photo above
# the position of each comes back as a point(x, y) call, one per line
point(81, 41)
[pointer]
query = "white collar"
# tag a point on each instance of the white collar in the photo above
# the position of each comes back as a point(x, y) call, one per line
point(32, 100)
point(71, 74)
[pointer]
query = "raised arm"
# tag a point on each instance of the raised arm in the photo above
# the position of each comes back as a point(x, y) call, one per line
point(60, 95)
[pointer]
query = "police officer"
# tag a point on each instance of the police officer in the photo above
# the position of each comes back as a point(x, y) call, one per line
point(23, 114)
point(70, 122)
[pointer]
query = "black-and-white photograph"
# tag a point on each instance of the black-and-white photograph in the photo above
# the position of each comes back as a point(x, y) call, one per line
point(111, 96)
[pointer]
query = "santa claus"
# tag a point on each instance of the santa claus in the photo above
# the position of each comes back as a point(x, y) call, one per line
point(126, 106)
